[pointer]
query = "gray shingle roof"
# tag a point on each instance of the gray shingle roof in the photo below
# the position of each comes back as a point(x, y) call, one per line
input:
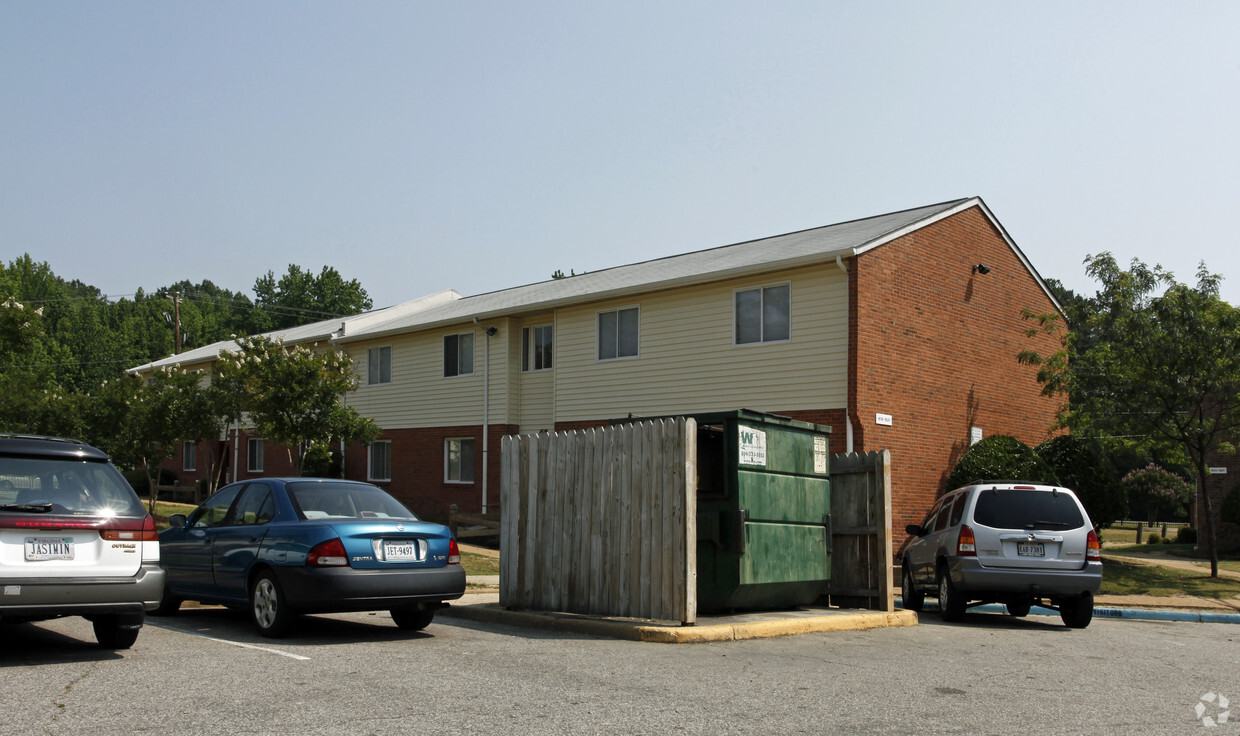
point(755, 256)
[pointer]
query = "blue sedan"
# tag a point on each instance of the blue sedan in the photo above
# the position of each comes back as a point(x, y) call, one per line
point(281, 547)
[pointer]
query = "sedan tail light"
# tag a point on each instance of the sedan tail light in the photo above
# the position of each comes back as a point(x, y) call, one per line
point(966, 544)
point(1093, 549)
point(328, 554)
point(454, 553)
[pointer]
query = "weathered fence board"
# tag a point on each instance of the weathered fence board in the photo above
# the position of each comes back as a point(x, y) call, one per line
point(602, 521)
point(861, 558)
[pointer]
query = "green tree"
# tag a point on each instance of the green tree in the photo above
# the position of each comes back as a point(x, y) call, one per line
point(293, 395)
point(1158, 362)
point(299, 297)
point(1083, 466)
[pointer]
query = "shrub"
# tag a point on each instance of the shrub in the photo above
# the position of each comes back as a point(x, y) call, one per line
point(1152, 538)
point(1186, 535)
point(1083, 466)
point(1000, 457)
point(1159, 491)
point(1166, 540)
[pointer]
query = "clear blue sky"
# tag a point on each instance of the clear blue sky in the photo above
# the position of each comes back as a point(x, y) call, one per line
point(419, 146)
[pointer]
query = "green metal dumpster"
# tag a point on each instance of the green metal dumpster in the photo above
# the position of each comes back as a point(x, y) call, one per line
point(763, 521)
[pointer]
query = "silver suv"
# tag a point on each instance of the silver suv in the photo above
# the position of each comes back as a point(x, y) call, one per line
point(74, 539)
point(1019, 544)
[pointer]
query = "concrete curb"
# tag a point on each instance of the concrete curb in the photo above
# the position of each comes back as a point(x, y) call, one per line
point(1138, 614)
point(674, 634)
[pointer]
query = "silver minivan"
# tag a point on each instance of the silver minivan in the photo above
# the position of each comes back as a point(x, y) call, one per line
point(1020, 544)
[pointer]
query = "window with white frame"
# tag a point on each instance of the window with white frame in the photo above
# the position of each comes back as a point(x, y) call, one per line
point(254, 455)
point(379, 365)
point(536, 348)
point(763, 315)
point(458, 354)
point(617, 333)
point(189, 456)
point(459, 460)
point(379, 465)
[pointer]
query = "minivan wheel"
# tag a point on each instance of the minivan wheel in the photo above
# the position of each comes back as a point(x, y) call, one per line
point(1019, 609)
point(914, 599)
point(951, 603)
point(1077, 612)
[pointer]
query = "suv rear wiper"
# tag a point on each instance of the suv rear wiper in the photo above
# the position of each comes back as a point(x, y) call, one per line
point(29, 508)
point(1048, 525)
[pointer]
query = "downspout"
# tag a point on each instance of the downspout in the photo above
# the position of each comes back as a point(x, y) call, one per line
point(236, 450)
point(848, 425)
point(486, 406)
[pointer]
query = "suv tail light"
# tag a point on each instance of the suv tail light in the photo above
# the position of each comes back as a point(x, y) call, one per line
point(328, 554)
point(966, 544)
point(130, 530)
point(1093, 549)
point(454, 553)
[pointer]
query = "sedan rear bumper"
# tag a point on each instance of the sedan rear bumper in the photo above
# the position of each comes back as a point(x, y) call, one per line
point(31, 599)
point(974, 580)
point(338, 589)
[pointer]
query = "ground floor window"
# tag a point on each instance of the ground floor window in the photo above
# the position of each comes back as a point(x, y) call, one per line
point(254, 455)
point(459, 460)
point(189, 456)
point(380, 464)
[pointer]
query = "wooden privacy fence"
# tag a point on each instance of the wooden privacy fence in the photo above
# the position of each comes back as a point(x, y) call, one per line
point(861, 559)
point(602, 521)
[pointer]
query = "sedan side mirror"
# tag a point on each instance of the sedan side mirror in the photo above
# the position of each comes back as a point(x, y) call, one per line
point(915, 530)
point(177, 521)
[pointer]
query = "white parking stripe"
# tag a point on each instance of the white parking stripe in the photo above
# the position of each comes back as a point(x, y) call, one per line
point(269, 650)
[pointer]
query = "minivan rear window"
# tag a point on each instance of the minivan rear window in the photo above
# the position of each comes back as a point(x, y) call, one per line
point(1010, 508)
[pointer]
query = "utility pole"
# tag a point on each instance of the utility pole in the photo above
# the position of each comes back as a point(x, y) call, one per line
point(176, 311)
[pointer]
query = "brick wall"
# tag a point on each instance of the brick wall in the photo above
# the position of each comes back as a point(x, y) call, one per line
point(418, 469)
point(1218, 486)
point(934, 346)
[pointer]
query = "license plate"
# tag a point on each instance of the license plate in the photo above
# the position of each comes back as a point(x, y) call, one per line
point(1028, 549)
point(400, 551)
point(49, 548)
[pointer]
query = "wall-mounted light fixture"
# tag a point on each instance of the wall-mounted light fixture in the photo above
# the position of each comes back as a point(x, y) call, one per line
point(981, 268)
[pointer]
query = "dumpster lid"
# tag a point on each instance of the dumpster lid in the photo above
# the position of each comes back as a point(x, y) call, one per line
point(719, 417)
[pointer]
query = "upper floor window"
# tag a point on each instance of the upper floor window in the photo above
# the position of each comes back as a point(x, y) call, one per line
point(617, 333)
point(763, 315)
point(536, 344)
point(378, 365)
point(458, 354)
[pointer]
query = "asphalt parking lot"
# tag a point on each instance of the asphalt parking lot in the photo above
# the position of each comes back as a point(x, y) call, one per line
point(206, 671)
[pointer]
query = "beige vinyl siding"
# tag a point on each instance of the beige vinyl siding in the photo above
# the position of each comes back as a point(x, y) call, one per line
point(419, 394)
point(687, 359)
point(534, 393)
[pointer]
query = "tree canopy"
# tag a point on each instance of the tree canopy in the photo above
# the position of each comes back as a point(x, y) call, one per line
point(1153, 361)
